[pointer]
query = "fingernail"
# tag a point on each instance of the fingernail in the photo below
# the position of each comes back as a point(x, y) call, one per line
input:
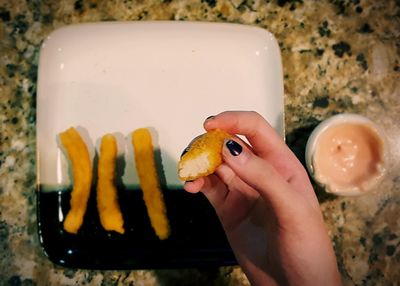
point(185, 151)
point(209, 117)
point(234, 148)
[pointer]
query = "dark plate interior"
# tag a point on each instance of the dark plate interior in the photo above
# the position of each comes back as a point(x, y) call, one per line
point(197, 238)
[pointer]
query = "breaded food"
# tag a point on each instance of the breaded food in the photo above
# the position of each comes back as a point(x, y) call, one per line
point(107, 197)
point(82, 176)
point(149, 182)
point(203, 156)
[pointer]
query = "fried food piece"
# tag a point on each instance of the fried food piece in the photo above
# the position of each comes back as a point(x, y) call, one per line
point(82, 176)
point(203, 156)
point(149, 182)
point(107, 196)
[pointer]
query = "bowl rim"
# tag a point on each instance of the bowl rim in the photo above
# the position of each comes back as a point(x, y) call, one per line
point(336, 120)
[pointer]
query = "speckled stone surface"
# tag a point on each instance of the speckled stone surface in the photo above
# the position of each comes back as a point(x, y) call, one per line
point(338, 56)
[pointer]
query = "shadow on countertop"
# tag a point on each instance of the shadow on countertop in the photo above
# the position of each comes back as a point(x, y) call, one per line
point(194, 277)
point(297, 141)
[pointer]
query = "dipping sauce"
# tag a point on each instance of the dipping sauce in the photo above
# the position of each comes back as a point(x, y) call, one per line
point(348, 157)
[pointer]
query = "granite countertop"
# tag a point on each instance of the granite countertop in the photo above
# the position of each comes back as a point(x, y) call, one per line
point(338, 56)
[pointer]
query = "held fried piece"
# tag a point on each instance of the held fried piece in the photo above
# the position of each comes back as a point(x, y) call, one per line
point(107, 198)
point(203, 156)
point(82, 173)
point(149, 182)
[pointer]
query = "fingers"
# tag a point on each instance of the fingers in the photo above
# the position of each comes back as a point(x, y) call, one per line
point(238, 201)
point(252, 125)
point(234, 183)
point(212, 187)
point(194, 186)
point(265, 142)
point(231, 198)
point(261, 176)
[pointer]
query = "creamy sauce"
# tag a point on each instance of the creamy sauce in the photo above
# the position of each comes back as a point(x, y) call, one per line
point(348, 156)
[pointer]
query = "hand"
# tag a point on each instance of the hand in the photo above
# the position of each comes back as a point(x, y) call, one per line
point(267, 206)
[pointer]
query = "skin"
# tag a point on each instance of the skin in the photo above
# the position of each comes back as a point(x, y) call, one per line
point(268, 208)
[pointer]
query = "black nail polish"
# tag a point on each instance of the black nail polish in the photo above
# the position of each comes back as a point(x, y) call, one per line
point(190, 145)
point(185, 151)
point(234, 148)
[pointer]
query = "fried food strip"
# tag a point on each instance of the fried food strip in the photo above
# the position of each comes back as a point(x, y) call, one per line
point(149, 182)
point(107, 196)
point(82, 175)
point(203, 156)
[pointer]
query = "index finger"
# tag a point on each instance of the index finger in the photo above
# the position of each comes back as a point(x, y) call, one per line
point(250, 124)
point(264, 140)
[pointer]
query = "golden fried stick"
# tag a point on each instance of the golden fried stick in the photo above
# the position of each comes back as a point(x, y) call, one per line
point(203, 156)
point(149, 182)
point(82, 176)
point(107, 197)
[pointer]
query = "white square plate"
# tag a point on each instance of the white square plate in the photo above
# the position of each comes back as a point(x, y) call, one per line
point(170, 76)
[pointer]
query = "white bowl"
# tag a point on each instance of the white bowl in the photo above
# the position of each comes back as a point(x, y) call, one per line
point(332, 187)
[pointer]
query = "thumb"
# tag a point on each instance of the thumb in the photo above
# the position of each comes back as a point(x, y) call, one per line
point(259, 174)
